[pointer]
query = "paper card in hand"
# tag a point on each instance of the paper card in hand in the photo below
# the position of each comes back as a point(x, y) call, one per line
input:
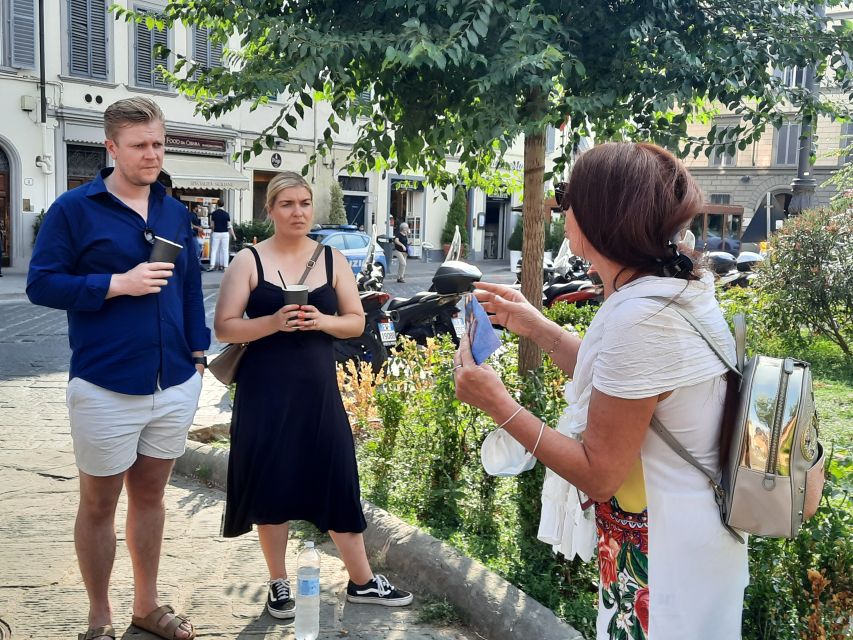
point(481, 335)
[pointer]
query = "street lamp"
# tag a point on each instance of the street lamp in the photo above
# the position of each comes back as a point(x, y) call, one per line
point(803, 186)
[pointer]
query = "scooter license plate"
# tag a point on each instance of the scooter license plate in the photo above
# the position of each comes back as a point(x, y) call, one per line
point(459, 326)
point(387, 333)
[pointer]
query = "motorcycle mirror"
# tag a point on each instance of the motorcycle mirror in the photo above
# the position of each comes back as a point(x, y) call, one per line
point(686, 240)
point(455, 246)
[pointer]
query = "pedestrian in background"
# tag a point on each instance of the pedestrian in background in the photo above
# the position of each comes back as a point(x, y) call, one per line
point(292, 451)
point(222, 228)
point(197, 232)
point(668, 568)
point(401, 250)
point(138, 339)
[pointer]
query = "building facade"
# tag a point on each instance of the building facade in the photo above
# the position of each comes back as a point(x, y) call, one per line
point(761, 174)
point(91, 60)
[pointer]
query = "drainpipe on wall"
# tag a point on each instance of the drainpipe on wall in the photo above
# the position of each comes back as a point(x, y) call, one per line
point(42, 88)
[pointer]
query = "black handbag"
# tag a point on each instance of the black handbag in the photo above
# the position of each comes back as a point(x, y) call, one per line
point(225, 365)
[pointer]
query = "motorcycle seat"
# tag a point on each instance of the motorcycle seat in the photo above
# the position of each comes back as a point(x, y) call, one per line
point(396, 303)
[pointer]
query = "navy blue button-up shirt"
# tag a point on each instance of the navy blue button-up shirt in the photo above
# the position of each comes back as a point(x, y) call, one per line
point(127, 344)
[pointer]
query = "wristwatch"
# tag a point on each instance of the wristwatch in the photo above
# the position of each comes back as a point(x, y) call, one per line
point(202, 360)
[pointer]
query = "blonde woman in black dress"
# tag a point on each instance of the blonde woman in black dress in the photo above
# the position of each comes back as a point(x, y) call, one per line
point(292, 453)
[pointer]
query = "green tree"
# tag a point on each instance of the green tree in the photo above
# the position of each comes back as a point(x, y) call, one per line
point(442, 88)
point(337, 213)
point(808, 277)
point(457, 215)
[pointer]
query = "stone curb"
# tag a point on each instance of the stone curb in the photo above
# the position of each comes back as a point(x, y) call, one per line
point(485, 601)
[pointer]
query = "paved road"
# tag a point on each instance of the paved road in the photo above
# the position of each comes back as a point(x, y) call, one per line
point(221, 583)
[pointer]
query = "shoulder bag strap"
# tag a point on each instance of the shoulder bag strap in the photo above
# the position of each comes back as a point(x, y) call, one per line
point(311, 263)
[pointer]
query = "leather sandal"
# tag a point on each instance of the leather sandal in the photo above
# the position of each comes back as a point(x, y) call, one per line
point(168, 631)
point(97, 632)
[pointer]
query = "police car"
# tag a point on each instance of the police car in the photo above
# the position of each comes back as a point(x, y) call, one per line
point(351, 242)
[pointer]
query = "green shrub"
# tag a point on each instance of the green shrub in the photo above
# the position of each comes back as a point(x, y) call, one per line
point(803, 588)
point(555, 235)
point(808, 278)
point(457, 215)
point(37, 224)
point(516, 239)
point(247, 231)
point(337, 213)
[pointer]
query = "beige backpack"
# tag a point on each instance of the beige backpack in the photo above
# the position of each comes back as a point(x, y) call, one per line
point(772, 462)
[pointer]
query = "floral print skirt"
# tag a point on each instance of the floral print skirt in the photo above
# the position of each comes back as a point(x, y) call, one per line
point(623, 548)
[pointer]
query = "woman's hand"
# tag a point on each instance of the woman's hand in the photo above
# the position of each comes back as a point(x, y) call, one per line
point(479, 385)
point(309, 318)
point(287, 318)
point(509, 308)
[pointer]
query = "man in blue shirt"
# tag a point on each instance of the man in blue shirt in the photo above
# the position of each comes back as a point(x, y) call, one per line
point(137, 333)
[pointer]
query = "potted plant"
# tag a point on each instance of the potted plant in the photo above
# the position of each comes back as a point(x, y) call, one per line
point(514, 244)
point(337, 213)
point(456, 216)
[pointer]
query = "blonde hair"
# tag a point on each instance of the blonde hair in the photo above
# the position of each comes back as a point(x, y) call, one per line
point(282, 181)
point(128, 112)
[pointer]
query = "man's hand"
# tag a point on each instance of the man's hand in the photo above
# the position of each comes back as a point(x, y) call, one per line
point(144, 278)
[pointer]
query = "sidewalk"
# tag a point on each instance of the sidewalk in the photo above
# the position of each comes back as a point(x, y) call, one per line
point(220, 583)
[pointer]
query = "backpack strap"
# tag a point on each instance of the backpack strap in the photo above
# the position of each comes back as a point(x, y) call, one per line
point(735, 366)
point(719, 493)
point(311, 263)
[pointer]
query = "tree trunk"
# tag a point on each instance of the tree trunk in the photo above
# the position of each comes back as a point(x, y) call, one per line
point(529, 355)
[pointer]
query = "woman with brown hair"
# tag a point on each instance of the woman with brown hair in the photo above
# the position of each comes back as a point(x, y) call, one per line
point(668, 568)
point(292, 453)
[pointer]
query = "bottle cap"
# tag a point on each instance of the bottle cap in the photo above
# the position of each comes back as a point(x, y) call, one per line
point(309, 544)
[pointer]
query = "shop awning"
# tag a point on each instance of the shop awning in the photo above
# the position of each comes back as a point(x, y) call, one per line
point(199, 172)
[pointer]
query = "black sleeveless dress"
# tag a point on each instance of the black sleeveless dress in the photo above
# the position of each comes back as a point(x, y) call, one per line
point(292, 452)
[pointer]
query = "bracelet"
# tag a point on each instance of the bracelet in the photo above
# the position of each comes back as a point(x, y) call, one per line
point(536, 446)
point(507, 421)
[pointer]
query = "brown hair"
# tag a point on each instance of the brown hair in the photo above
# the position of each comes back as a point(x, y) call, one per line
point(629, 201)
point(128, 112)
point(282, 181)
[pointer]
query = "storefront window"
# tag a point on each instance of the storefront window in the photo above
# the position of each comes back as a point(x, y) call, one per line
point(84, 163)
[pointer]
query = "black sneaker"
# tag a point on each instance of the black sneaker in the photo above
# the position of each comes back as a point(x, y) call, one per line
point(280, 603)
point(378, 591)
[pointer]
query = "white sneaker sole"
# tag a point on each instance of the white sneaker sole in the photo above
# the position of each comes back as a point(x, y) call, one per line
point(282, 615)
point(385, 602)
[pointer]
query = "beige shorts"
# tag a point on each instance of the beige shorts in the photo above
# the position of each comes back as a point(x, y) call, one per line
point(109, 429)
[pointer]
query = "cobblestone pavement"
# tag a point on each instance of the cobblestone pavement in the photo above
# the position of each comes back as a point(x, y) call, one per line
point(220, 583)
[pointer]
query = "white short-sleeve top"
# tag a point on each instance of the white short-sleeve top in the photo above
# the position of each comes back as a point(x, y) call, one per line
point(697, 571)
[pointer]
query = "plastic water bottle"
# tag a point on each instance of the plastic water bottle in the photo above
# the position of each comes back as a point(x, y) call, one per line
point(308, 593)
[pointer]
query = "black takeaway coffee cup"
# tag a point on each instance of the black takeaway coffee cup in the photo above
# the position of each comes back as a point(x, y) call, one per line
point(164, 250)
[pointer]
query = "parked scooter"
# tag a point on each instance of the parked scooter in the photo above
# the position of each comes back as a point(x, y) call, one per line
point(372, 345)
point(428, 314)
point(742, 272)
point(572, 281)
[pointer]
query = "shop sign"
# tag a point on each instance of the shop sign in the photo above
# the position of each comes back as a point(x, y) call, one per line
point(187, 143)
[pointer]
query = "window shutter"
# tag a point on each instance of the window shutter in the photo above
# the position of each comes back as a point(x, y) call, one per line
point(98, 38)
point(159, 38)
point(78, 31)
point(200, 47)
point(88, 38)
point(144, 59)
point(215, 54)
point(23, 33)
